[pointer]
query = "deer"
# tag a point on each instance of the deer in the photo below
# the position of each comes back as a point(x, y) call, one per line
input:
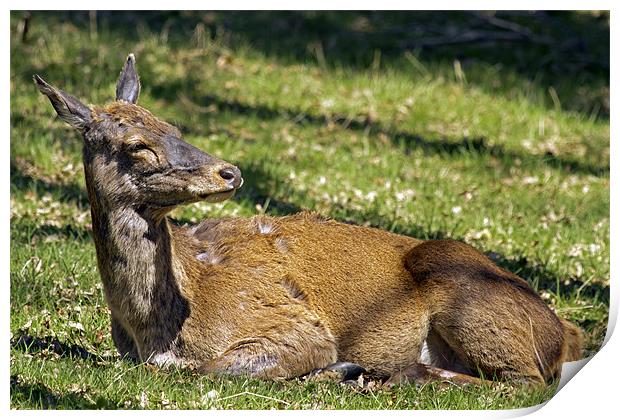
point(280, 297)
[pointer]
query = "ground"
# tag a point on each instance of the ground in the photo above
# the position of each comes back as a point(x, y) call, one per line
point(503, 146)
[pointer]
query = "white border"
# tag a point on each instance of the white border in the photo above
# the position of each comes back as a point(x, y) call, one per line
point(593, 391)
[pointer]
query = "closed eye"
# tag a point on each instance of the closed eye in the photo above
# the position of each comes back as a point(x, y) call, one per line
point(134, 147)
point(138, 149)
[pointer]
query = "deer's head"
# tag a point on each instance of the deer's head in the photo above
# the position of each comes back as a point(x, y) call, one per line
point(135, 159)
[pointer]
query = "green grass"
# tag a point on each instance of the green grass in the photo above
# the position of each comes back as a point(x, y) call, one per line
point(410, 142)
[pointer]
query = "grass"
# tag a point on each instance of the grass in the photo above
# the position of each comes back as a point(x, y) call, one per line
point(404, 139)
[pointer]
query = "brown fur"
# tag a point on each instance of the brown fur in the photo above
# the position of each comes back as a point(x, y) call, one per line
point(279, 297)
point(127, 113)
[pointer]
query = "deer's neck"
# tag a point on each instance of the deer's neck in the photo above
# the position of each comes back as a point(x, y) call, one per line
point(135, 259)
point(142, 280)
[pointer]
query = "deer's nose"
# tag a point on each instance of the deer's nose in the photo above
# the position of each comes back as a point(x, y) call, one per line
point(232, 175)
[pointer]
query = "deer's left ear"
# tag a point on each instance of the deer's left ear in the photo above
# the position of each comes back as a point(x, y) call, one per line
point(128, 85)
point(71, 110)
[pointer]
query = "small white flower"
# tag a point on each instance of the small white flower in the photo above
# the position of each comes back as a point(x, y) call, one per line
point(457, 209)
point(209, 397)
point(144, 400)
point(575, 250)
point(76, 325)
point(594, 248)
point(327, 103)
point(578, 269)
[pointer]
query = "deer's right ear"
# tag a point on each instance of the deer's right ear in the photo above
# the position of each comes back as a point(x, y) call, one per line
point(67, 107)
point(128, 85)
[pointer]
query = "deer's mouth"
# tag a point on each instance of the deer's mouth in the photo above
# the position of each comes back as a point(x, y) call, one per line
point(215, 197)
point(218, 196)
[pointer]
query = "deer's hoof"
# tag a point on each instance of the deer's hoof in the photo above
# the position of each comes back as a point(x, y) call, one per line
point(339, 371)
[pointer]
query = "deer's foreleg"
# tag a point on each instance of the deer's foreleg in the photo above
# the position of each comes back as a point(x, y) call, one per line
point(123, 341)
point(262, 358)
point(282, 356)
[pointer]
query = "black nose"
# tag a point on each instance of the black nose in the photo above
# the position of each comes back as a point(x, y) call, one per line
point(232, 175)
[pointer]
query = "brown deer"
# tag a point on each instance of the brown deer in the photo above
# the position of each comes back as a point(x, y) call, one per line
point(280, 297)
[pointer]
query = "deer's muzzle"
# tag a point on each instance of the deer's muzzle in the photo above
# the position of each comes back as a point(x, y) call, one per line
point(212, 177)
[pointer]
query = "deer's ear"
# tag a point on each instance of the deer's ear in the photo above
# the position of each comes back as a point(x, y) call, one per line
point(128, 85)
point(67, 107)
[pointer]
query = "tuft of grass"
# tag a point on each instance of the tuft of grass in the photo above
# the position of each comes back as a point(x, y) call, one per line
point(406, 140)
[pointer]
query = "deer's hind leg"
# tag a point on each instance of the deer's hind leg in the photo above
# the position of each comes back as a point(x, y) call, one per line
point(437, 363)
point(486, 319)
point(421, 373)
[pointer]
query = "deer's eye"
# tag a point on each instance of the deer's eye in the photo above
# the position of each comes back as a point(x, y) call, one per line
point(136, 147)
point(142, 150)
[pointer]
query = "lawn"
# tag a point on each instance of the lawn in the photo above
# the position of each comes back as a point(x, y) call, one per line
point(502, 145)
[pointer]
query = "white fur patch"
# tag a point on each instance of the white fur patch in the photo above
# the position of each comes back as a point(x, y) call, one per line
point(281, 245)
point(209, 257)
point(264, 227)
point(165, 359)
point(425, 354)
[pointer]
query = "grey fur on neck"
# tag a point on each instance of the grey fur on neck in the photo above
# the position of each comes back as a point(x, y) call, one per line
point(135, 259)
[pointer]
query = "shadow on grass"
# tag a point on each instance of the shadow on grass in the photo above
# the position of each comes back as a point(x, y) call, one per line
point(390, 33)
point(564, 50)
point(70, 193)
point(29, 344)
point(49, 232)
point(68, 231)
point(38, 395)
point(258, 187)
point(407, 141)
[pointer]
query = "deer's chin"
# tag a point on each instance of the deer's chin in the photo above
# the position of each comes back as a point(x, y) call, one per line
point(217, 197)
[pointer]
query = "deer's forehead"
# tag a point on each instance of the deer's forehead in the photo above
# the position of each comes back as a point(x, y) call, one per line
point(135, 116)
